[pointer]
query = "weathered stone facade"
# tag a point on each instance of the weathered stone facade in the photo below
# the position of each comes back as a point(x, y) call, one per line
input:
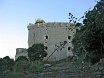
point(56, 37)
point(21, 52)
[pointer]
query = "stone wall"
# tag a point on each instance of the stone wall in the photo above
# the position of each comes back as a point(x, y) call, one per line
point(21, 52)
point(52, 34)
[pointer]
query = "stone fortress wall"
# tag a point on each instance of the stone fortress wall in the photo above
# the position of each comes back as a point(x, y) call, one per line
point(21, 52)
point(56, 37)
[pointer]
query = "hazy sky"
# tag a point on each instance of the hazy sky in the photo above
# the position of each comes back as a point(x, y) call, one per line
point(15, 15)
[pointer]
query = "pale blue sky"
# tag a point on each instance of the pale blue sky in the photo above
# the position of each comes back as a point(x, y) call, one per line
point(15, 15)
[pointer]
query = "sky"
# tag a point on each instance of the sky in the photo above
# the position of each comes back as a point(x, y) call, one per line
point(15, 15)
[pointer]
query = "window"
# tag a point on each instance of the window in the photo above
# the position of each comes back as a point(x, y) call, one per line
point(69, 28)
point(69, 37)
point(77, 30)
point(46, 47)
point(69, 48)
point(46, 37)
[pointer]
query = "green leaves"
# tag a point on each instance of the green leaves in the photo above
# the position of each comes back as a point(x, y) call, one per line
point(22, 65)
point(93, 38)
point(36, 52)
point(6, 64)
point(90, 39)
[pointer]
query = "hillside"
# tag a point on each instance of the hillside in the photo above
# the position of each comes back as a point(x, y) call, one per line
point(66, 69)
point(59, 69)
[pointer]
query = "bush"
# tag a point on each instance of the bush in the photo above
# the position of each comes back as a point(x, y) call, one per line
point(22, 65)
point(36, 67)
point(36, 52)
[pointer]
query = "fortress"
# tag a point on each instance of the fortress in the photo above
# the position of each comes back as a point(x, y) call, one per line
point(56, 37)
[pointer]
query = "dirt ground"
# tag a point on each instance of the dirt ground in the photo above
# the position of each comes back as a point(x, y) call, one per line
point(71, 70)
point(64, 70)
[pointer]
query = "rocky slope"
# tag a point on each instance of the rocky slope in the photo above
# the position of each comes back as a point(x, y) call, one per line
point(71, 70)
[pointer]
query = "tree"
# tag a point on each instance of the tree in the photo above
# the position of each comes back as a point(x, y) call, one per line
point(93, 37)
point(74, 20)
point(22, 64)
point(6, 64)
point(21, 58)
point(78, 47)
point(78, 50)
point(36, 52)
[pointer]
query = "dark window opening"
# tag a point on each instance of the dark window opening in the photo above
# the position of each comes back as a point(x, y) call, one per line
point(46, 37)
point(69, 37)
point(69, 48)
point(69, 28)
point(46, 29)
point(46, 47)
point(77, 30)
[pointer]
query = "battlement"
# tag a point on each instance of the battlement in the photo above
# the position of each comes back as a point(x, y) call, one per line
point(50, 24)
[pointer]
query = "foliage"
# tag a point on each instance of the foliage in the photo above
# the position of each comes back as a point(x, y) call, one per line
point(22, 58)
point(93, 36)
point(78, 49)
point(36, 52)
point(6, 64)
point(36, 67)
point(89, 41)
point(22, 65)
point(10, 74)
point(74, 20)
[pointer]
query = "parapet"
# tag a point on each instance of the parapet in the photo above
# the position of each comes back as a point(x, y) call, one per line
point(21, 52)
point(41, 23)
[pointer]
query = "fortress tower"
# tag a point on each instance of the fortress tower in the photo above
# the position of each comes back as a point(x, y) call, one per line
point(56, 37)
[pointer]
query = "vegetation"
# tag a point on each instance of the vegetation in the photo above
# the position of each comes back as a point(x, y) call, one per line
point(88, 43)
point(6, 64)
point(36, 52)
point(91, 36)
point(19, 68)
point(78, 47)
point(21, 64)
point(22, 58)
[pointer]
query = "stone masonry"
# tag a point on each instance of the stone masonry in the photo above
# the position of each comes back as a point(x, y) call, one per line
point(56, 37)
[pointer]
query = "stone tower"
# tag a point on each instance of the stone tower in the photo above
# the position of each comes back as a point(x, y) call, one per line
point(56, 37)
